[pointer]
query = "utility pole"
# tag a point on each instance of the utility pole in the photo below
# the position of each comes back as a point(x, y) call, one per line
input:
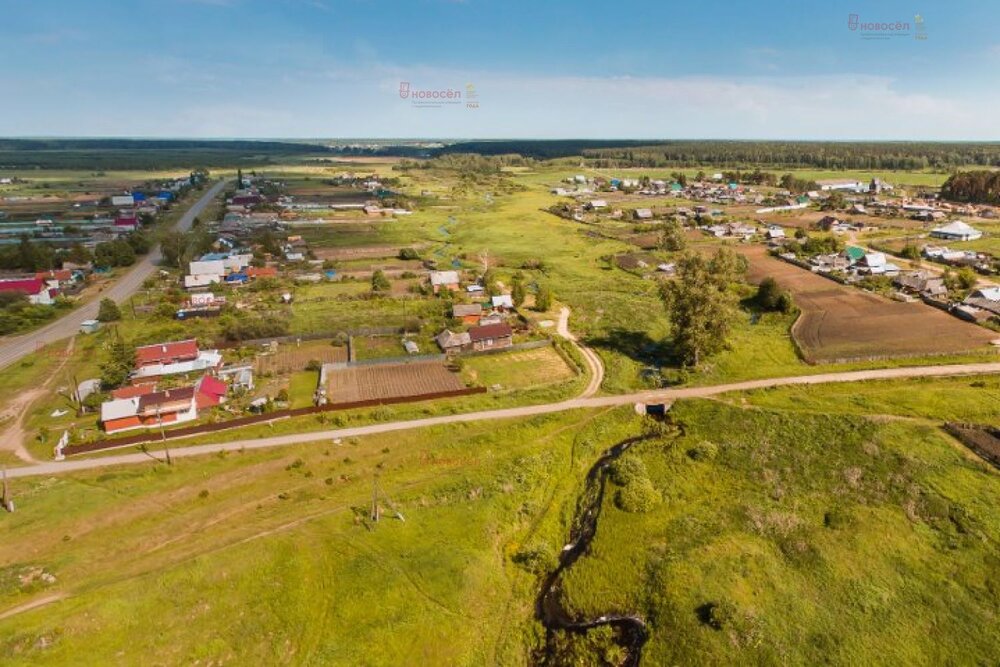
point(8, 502)
point(374, 513)
point(163, 435)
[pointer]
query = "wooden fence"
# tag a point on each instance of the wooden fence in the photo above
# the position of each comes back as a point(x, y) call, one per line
point(198, 429)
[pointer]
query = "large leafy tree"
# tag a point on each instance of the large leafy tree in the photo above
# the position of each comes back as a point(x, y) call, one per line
point(701, 306)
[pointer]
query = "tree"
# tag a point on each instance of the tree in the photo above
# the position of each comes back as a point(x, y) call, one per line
point(379, 282)
point(116, 369)
point(967, 278)
point(672, 237)
point(490, 282)
point(543, 300)
point(701, 307)
point(108, 311)
point(517, 292)
point(172, 248)
point(770, 296)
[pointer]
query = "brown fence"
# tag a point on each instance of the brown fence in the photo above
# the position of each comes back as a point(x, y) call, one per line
point(186, 431)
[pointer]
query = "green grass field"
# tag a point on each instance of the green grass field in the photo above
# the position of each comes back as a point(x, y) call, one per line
point(266, 557)
point(802, 538)
point(752, 554)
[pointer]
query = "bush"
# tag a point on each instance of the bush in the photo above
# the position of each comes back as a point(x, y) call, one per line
point(313, 365)
point(704, 451)
point(627, 469)
point(771, 297)
point(108, 311)
point(535, 558)
point(637, 496)
point(409, 253)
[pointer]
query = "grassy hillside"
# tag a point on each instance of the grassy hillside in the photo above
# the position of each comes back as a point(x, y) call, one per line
point(802, 538)
point(268, 558)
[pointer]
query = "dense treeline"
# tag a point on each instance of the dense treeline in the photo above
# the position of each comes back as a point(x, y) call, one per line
point(978, 187)
point(96, 154)
point(157, 144)
point(735, 154)
point(469, 163)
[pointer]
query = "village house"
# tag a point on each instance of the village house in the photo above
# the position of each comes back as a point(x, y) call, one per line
point(986, 302)
point(840, 184)
point(37, 291)
point(453, 342)
point(172, 358)
point(467, 313)
point(444, 280)
point(142, 406)
point(57, 278)
point(642, 214)
point(171, 406)
point(502, 302)
point(956, 231)
point(595, 205)
point(922, 283)
point(491, 337)
point(876, 264)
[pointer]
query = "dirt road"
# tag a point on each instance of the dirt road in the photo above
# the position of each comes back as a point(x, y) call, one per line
point(655, 396)
point(591, 357)
point(12, 349)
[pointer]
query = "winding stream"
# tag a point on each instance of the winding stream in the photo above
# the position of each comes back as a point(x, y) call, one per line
point(632, 631)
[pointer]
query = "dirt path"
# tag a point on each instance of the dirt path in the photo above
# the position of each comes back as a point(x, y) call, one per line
point(13, 436)
point(34, 604)
point(593, 360)
point(653, 396)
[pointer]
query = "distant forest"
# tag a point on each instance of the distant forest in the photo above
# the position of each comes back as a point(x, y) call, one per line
point(608, 154)
point(742, 154)
point(144, 153)
point(978, 187)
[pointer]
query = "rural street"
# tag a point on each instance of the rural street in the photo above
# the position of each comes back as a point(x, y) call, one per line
point(654, 396)
point(593, 361)
point(12, 349)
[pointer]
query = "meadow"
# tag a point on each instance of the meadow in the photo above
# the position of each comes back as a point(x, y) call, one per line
point(752, 552)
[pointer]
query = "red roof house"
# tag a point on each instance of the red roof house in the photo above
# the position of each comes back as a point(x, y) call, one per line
point(211, 392)
point(166, 353)
point(36, 290)
point(133, 391)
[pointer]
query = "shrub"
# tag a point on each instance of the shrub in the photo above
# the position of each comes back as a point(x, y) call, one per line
point(628, 469)
point(409, 253)
point(313, 365)
point(637, 496)
point(703, 451)
point(535, 558)
point(109, 311)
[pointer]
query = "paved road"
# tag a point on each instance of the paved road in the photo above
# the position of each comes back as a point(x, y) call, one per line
point(12, 349)
point(656, 396)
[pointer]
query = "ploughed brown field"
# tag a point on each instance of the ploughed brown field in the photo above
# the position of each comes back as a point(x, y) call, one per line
point(841, 323)
point(290, 359)
point(367, 383)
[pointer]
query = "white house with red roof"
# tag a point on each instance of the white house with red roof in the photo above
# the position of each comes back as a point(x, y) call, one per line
point(37, 290)
point(172, 358)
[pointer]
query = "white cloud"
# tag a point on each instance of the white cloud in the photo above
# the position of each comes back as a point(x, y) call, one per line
point(340, 100)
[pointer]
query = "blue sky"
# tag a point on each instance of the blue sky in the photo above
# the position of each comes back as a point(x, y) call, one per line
point(546, 69)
